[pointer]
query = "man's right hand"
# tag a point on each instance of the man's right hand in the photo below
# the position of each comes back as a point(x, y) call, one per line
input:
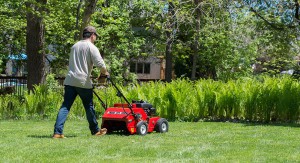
point(105, 75)
point(102, 78)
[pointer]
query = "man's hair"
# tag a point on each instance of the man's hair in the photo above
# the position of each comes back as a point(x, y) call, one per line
point(88, 32)
point(87, 35)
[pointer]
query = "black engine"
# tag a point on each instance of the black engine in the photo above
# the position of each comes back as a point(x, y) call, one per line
point(146, 106)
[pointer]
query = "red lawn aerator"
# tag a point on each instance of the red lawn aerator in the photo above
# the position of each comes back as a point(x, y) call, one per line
point(137, 117)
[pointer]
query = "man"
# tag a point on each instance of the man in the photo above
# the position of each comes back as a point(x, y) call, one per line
point(84, 55)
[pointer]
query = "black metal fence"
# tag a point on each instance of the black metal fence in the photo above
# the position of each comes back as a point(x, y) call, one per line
point(13, 85)
point(18, 85)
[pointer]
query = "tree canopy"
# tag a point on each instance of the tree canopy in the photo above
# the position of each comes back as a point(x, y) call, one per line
point(198, 38)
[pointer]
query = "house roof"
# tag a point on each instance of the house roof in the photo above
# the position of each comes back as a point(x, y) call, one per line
point(50, 57)
point(17, 56)
point(22, 56)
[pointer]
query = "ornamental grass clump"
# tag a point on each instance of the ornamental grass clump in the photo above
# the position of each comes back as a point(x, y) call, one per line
point(10, 107)
point(261, 99)
point(271, 99)
point(228, 98)
point(287, 106)
point(206, 98)
point(182, 102)
point(249, 94)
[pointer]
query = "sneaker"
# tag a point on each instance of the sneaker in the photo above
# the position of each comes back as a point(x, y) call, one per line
point(58, 136)
point(101, 132)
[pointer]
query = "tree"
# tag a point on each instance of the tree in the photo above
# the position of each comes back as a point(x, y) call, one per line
point(35, 43)
point(196, 40)
point(61, 24)
point(199, 38)
point(203, 47)
point(61, 32)
point(36, 46)
point(277, 26)
point(119, 24)
point(170, 27)
point(89, 9)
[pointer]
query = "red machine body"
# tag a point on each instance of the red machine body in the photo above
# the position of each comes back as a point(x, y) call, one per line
point(137, 117)
point(120, 118)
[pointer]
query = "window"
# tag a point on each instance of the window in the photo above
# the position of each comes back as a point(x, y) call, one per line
point(140, 68)
point(146, 68)
point(132, 67)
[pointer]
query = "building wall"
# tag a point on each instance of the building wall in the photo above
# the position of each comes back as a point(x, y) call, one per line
point(13, 69)
point(9, 68)
point(17, 67)
point(157, 65)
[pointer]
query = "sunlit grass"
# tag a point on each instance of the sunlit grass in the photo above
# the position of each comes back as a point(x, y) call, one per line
point(30, 141)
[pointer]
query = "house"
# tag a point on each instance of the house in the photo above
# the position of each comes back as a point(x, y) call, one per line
point(150, 68)
point(16, 64)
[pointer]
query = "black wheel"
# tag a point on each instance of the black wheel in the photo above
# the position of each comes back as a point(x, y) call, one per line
point(141, 128)
point(162, 125)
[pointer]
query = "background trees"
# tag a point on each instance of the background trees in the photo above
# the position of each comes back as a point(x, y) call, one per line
point(13, 29)
point(198, 38)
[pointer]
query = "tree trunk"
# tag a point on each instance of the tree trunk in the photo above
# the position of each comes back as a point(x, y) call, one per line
point(169, 55)
point(297, 11)
point(76, 36)
point(196, 41)
point(89, 9)
point(35, 44)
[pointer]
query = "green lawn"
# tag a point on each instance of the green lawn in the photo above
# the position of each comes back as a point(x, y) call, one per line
point(30, 141)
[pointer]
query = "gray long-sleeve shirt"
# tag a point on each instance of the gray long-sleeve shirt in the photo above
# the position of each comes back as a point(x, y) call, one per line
point(84, 55)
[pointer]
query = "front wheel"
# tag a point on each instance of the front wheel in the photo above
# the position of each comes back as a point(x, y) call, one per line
point(162, 125)
point(141, 128)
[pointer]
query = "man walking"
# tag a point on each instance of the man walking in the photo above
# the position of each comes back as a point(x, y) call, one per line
point(84, 55)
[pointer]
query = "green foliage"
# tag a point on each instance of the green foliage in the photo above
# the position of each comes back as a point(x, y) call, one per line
point(276, 66)
point(264, 99)
point(36, 102)
point(118, 41)
point(250, 94)
point(13, 27)
point(11, 107)
point(51, 82)
point(230, 37)
point(226, 49)
point(61, 32)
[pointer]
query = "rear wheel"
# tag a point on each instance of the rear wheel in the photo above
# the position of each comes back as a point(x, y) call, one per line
point(141, 128)
point(162, 125)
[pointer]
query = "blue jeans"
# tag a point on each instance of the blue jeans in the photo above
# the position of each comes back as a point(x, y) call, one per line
point(86, 96)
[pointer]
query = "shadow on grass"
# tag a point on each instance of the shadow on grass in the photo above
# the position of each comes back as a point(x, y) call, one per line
point(258, 123)
point(48, 136)
point(118, 133)
point(271, 124)
point(126, 133)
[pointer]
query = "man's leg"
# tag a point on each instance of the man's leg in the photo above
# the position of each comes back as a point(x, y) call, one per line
point(69, 97)
point(86, 96)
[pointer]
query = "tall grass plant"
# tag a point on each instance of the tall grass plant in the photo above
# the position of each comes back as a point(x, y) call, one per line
point(263, 99)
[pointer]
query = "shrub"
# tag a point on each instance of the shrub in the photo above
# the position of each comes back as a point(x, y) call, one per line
point(262, 99)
